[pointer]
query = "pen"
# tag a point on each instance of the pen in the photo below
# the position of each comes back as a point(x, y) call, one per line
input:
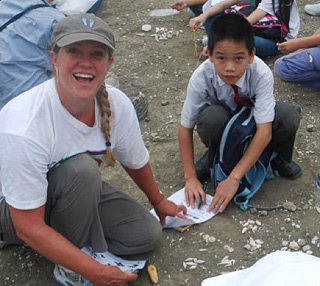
point(204, 187)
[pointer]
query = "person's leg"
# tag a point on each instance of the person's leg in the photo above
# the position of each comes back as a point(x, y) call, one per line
point(265, 47)
point(210, 125)
point(284, 129)
point(302, 67)
point(196, 10)
point(129, 228)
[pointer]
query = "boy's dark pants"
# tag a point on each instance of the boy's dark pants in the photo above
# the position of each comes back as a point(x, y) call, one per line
point(213, 119)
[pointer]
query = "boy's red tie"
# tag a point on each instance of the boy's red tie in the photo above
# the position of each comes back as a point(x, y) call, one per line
point(238, 100)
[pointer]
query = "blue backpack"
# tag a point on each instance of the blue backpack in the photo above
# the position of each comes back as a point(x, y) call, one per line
point(235, 140)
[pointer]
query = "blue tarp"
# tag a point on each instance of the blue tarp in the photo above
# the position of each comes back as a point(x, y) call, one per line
point(24, 43)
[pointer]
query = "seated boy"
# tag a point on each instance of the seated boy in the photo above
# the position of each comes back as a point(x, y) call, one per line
point(232, 67)
point(303, 65)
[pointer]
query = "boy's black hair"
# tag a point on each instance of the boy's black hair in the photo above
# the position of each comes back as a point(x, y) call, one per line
point(231, 27)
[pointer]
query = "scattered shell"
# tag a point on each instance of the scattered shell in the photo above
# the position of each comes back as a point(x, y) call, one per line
point(294, 245)
point(146, 28)
point(306, 248)
point(192, 263)
point(226, 261)
point(228, 248)
point(290, 206)
point(263, 213)
point(314, 240)
point(285, 243)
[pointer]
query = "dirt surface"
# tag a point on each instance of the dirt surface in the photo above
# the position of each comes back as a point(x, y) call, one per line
point(160, 70)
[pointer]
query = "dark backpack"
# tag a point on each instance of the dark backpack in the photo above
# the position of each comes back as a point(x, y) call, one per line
point(268, 27)
point(235, 140)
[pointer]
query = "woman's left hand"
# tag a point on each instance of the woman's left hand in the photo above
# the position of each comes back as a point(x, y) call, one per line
point(168, 208)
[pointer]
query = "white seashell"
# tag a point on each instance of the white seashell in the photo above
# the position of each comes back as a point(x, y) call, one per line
point(199, 261)
point(146, 28)
point(306, 248)
point(244, 230)
point(247, 247)
point(258, 223)
point(293, 245)
point(203, 249)
point(190, 259)
point(184, 265)
point(259, 241)
point(212, 239)
point(285, 243)
point(255, 228)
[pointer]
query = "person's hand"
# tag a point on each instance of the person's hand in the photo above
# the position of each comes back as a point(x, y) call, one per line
point(113, 276)
point(168, 208)
point(289, 46)
point(204, 54)
point(179, 5)
point(197, 22)
point(224, 194)
point(193, 192)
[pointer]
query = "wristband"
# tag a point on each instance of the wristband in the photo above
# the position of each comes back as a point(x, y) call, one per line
point(159, 200)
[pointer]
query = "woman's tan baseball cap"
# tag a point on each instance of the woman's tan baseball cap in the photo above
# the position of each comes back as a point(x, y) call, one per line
point(82, 27)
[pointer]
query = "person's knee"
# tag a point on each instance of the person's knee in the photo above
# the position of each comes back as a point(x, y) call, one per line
point(288, 116)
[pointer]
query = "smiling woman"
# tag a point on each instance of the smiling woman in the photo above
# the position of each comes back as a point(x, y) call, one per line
point(53, 139)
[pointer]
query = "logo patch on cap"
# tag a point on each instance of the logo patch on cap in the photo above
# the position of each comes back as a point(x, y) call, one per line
point(85, 22)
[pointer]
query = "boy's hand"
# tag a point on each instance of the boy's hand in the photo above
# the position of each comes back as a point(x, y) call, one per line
point(179, 5)
point(197, 22)
point(193, 192)
point(224, 194)
point(168, 208)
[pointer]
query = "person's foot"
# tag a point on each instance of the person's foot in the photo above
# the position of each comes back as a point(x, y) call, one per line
point(202, 167)
point(312, 9)
point(66, 277)
point(289, 170)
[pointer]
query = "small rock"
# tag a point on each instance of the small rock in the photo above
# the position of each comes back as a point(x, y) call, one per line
point(290, 206)
point(263, 213)
point(301, 242)
point(305, 207)
point(164, 102)
point(228, 248)
point(311, 128)
point(253, 211)
point(282, 228)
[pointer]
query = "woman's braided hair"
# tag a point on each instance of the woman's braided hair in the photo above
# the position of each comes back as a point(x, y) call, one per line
point(104, 103)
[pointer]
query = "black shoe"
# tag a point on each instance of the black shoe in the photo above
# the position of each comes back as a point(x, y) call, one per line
point(202, 168)
point(289, 170)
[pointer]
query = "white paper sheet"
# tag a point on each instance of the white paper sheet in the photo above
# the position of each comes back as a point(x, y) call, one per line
point(107, 258)
point(276, 269)
point(196, 215)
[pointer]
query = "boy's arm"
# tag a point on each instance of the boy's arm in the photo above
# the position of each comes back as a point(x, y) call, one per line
point(228, 188)
point(256, 15)
point(179, 5)
point(293, 45)
point(196, 22)
point(193, 188)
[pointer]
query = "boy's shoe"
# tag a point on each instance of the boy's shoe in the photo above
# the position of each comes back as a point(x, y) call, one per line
point(202, 167)
point(312, 9)
point(289, 170)
point(66, 277)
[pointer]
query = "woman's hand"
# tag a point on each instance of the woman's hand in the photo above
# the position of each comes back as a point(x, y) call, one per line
point(168, 208)
point(113, 276)
point(289, 46)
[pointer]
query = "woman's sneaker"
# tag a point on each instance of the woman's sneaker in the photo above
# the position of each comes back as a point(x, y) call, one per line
point(66, 277)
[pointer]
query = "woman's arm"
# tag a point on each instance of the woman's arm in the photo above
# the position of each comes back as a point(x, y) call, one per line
point(144, 178)
point(32, 229)
point(256, 15)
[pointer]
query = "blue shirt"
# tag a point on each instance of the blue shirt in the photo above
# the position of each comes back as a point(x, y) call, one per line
point(24, 45)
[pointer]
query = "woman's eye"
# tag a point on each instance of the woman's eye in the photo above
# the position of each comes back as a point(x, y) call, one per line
point(73, 51)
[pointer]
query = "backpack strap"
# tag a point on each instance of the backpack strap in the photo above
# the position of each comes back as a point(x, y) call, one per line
point(19, 15)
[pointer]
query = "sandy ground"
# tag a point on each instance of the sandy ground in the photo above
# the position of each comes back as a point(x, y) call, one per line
point(160, 70)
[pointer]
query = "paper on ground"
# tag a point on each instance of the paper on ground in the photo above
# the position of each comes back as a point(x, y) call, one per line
point(107, 258)
point(276, 269)
point(196, 215)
